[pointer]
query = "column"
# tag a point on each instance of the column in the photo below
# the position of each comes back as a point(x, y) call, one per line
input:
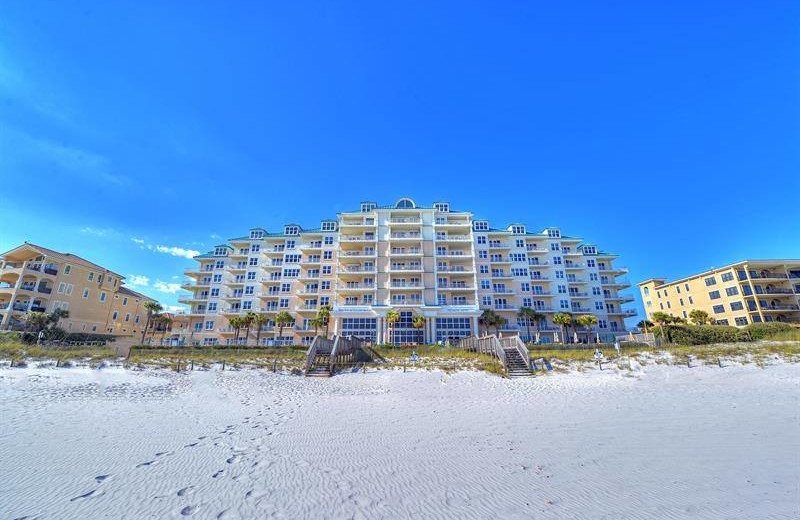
point(474, 326)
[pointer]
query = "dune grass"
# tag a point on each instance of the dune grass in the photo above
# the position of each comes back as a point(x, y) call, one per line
point(438, 357)
point(19, 351)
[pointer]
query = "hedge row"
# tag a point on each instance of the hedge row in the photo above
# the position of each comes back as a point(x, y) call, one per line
point(706, 334)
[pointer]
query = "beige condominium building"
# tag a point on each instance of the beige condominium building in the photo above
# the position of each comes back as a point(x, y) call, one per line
point(750, 291)
point(432, 261)
point(34, 278)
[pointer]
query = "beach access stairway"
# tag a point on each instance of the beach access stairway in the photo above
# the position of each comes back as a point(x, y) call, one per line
point(511, 351)
point(324, 355)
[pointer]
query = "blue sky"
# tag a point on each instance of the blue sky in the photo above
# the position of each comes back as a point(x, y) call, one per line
point(134, 134)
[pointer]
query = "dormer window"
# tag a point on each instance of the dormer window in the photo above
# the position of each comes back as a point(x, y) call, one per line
point(328, 226)
point(405, 204)
point(366, 207)
point(221, 251)
point(256, 234)
point(443, 207)
point(291, 230)
point(518, 230)
point(554, 233)
point(589, 250)
point(481, 225)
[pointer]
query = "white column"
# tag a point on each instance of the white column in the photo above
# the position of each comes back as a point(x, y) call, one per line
point(475, 326)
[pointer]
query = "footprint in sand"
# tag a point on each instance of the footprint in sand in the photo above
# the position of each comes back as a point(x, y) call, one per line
point(100, 478)
point(218, 473)
point(185, 491)
point(85, 495)
point(231, 460)
point(188, 510)
point(148, 463)
point(192, 445)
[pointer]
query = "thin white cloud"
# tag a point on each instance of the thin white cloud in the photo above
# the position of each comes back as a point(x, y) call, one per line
point(137, 240)
point(137, 280)
point(175, 251)
point(169, 288)
point(215, 236)
point(176, 308)
point(98, 232)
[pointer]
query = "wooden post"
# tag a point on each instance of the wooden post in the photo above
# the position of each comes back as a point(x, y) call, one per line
point(192, 365)
point(223, 364)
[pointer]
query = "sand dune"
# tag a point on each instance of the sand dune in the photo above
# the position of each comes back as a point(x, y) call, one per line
point(660, 442)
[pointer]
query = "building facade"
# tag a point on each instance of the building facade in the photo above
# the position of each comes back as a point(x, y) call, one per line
point(34, 278)
point(432, 261)
point(751, 291)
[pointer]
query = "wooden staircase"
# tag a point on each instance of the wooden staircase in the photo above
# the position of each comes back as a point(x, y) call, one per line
point(324, 354)
point(511, 351)
point(515, 364)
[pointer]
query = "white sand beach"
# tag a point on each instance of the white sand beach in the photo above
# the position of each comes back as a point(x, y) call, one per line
point(660, 442)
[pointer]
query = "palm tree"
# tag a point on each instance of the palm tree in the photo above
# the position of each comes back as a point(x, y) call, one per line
point(699, 317)
point(661, 319)
point(418, 322)
point(260, 320)
point(235, 323)
point(588, 321)
point(316, 322)
point(392, 317)
point(529, 314)
point(488, 319)
point(152, 308)
point(324, 313)
point(249, 319)
point(37, 320)
point(283, 318)
point(644, 325)
point(565, 320)
point(57, 315)
point(166, 323)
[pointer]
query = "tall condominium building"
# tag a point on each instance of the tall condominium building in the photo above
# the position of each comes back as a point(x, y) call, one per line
point(432, 261)
point(34, 278)
point(750, 291)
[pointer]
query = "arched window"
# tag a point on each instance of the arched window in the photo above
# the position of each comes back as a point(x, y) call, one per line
point(405, 204)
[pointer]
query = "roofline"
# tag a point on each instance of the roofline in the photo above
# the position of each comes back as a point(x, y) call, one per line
point(39, 249)
point(724, 267)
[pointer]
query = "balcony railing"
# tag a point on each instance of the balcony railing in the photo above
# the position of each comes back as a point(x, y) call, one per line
point(401, 236)
point(404, 220)
point(406, 286)
point(405, 267)
point(45, 290)
point(777, 307)
point(505, 307)
point(769, 276)
point(773, 290)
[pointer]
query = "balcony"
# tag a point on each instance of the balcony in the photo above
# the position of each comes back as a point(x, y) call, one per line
point(358, 254)
point(584, 310)
point(773, 291)
point(405, 220)
point(406, 301)
point(571, 265)
point(503, 291)
point(454, 254)
point(582, 281)
point(406, 251)
point(404, 237)
point(768, 276)
point(350, 239)
point(356, 224)
point(453, 238)
point(45, 290)
point(535, 250)
point(311, 245)
point(579, 295)
point(537, 263)
point(622, 312)
point(623, 282)
point(499, 245)
point(456, 270)
point(455, 287)
point(413, 268)
point(358, 287)
point(613, 270)
point(778, 307)
point(306, 308)
point(357, 270)
point(416, 286)
point(501, 274)
point(505, 307)
point(443, 222)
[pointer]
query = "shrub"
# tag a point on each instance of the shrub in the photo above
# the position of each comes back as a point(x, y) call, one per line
point(762, 330)
point(704, 334)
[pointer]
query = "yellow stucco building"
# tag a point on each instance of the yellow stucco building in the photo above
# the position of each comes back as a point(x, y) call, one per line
point(35, 278)
point(750, 291)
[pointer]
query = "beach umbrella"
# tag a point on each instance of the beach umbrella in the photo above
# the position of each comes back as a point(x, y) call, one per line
point(597, 337)
point(630, 335)
point(555, 337)
point(537, 338)
point(575, 337)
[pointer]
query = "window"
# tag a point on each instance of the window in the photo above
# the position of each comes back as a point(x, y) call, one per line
point(737, 306)
point(719, 309)
point(209, 325)
point(128, 317)
point(125, 301)
point(114, 316)
point(690, 300)
point(102, 296)
point(481, 225)
point(741, 321)
point(67, 269)
point(727, 277)
point(732, 291)
point(555, 246)
point(91, 277)
point(481, 239)
point(710, 281)
point(714, 295)
point(221, 251)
